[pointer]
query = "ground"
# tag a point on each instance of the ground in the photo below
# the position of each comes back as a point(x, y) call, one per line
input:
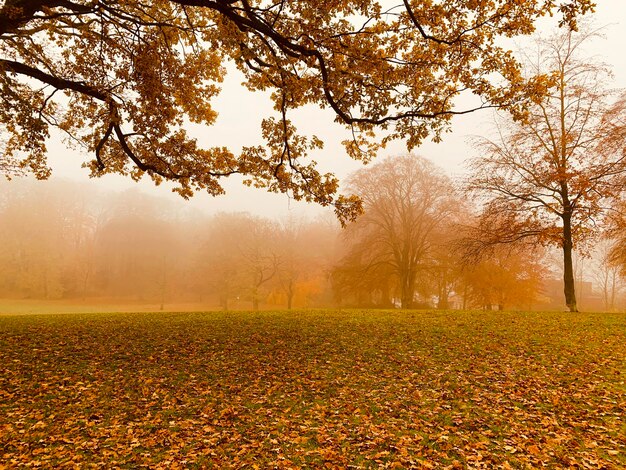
point(335, 389)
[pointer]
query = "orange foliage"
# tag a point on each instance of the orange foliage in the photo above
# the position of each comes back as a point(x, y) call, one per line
point(508, 277)
point(554, 176)
point(132, 73)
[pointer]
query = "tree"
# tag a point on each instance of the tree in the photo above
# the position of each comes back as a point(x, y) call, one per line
point(42, 234)
point(132, 73)
point(406, 200)
point(240, 257)
point(303, 250)
point(506, 276)
point(366, 283)
point(259, 258)
point(552, 176)
point(217, 258)
point(607, 273)
point(445, 263)
point(292, 259)
point(137, 251)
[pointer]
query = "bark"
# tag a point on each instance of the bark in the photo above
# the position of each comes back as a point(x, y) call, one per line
point(85, 280)
point(224, 294)
point(290, 294)
point(568, 266)
point(407, 288)
point(386, 296)
point(255, 298)
point(15, 13)
point(613, 289)
point(443, 302)
point(465, 297)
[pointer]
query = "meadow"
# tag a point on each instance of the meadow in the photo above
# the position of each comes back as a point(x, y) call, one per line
point(332, 389)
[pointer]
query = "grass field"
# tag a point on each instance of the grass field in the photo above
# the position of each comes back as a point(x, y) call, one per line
point(353, 389)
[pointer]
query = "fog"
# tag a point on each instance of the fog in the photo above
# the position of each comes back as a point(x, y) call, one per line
point(68, 246)
point(62, 240)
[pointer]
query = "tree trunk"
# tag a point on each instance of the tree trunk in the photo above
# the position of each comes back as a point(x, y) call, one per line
point(85, 280)
point(406, 296)
point(405, 301)
point(386, 296)
point(255, 297)
point(613, 283)
point(568, 266)
point(442, 299)
point(465, 297)
point(290, 294)
point(407, 286)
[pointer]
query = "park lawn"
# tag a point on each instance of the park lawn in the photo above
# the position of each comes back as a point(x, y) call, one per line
point(341, 389)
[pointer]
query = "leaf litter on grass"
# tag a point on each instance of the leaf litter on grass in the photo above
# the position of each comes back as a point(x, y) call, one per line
point(351, 389)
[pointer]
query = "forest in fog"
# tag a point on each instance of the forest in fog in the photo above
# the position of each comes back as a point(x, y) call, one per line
point(537, 221)
point(64, 240)
point(61, 239)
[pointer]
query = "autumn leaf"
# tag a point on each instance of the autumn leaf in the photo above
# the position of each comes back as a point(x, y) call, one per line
point(81, 390)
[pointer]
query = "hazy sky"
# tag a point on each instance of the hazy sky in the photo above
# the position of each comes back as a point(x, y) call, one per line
point(240, 113)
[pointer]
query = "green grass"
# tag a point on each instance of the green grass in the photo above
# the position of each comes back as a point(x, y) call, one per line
point(308, 389)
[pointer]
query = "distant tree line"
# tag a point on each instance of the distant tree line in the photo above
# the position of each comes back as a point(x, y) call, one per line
point(59, 240)
point(552, 178)
point(551, 175)
point(412, 248)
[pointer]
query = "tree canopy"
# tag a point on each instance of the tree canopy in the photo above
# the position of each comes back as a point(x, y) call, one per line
point(407, 201)
point(122, 78)
point(556, 176)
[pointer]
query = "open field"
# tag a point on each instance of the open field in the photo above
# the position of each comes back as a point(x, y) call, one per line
point(355, 389)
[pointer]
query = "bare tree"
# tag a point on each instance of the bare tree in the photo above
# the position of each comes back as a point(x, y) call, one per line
point(552, 177)
point(239, 257)
point(606, 273)
point(257, 257)
point(406, 199)
point(303, 249)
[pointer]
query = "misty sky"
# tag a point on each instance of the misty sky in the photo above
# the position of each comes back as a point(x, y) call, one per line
point(240, 113)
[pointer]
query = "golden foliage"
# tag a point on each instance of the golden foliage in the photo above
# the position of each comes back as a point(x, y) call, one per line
point(554, 176)
point(327, 389)
point(132, 73)
point(407, 201)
